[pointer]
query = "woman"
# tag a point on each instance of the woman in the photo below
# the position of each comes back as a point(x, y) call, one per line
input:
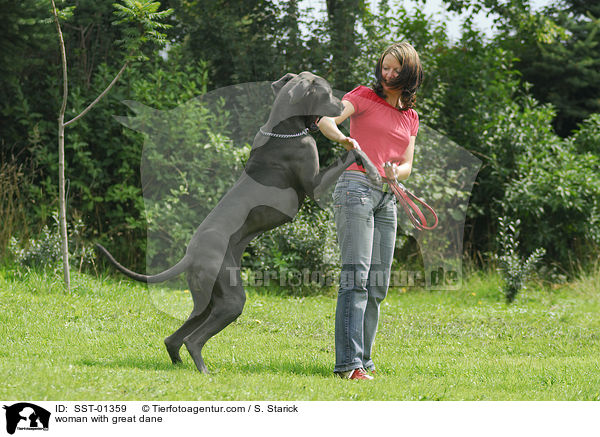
point(384, 124)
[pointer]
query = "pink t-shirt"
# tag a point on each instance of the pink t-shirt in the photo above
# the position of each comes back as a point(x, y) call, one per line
point(382, 131)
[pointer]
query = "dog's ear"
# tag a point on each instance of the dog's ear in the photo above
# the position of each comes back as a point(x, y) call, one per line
point(278, 84)
point(300, 90)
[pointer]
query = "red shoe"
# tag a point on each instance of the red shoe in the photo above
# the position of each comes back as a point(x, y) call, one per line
point(355, 374)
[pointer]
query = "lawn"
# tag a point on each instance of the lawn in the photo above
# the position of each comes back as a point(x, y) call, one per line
point(104, 341)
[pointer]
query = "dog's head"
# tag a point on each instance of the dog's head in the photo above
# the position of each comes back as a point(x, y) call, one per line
point(304, 94)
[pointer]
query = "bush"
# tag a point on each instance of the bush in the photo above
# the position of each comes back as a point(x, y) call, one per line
point(299, 256)
point(586, 138)
point(190, 158)
point(45, 251)
point(556, 194)
point(551, 184)
point(515, 270)
point(103, 157)
point(12, 208)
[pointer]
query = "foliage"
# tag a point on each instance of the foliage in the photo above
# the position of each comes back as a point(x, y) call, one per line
point(342, 28)
point(557, 195)
point(144, 22)
point(177, 201)
point(242, 40)
point(586, 139)
point(27, 45)
point(44, 252)
point(141, 13)
point(558, 51)
point(98, 157)
point(299, 256)
point(26, 29)
point(12, 204)
point(165, 85)
point(515, 270)
point(564, 68)
point(105, 157)
point(528, 171)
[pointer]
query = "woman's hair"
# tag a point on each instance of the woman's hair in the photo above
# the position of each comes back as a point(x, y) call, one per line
point(410, 77)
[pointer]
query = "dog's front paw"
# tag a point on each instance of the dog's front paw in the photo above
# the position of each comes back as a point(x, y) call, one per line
point(372, 172)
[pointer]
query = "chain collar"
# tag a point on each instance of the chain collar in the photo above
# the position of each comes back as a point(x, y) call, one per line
point(273, 134)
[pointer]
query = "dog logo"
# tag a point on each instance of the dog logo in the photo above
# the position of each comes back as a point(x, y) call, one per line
point(26, 417)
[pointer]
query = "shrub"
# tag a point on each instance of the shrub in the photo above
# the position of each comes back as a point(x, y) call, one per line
point(587, 136)
point(45, 251)
point(12, 209)
point(189, 160)
point(556, 194)
point(300, 256)
point(515, 270)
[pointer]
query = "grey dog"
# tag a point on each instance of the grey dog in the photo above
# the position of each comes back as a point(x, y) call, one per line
point(283, 168)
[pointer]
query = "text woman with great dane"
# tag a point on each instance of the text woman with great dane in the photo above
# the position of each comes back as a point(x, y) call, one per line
point(384, 124)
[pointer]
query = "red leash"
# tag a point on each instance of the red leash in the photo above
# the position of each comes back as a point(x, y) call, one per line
point(406, 198)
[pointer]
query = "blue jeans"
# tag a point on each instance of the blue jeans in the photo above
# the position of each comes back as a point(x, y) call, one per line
point(365, 219)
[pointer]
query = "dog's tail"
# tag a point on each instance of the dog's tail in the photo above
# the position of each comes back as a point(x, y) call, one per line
point(176, 270)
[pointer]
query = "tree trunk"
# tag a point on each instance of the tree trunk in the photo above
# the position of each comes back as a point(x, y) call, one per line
point(342, 19)
point(61, 159)
point(63, 202)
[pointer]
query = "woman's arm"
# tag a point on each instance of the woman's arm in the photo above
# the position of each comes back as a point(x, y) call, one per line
point(328, 126)
point(402, 169)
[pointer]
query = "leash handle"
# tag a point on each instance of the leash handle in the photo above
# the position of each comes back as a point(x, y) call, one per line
point(407, 200)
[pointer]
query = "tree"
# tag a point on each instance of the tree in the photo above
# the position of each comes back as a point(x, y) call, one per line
point(240, 39)
point(565, 70)
point(342, 20)
point(143, 14)
point(558, 52)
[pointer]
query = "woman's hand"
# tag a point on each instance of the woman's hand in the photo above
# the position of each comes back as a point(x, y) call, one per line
point(399, 172)
point(328, 126)
point(349, 143)
point(390, 170)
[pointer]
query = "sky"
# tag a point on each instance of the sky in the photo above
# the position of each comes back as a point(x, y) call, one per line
point(436, 7)
point(484, 23)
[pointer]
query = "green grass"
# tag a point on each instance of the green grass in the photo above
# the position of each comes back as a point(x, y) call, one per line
point(104, 341)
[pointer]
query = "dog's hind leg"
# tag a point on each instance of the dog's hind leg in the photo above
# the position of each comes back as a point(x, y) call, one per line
point(228, 280)
point(175, 340)
point(226, 305)
point(200, 285)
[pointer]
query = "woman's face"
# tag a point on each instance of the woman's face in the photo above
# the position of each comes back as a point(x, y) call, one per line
point(390, 69)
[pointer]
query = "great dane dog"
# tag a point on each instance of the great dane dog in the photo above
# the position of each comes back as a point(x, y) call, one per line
point(282, 169)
